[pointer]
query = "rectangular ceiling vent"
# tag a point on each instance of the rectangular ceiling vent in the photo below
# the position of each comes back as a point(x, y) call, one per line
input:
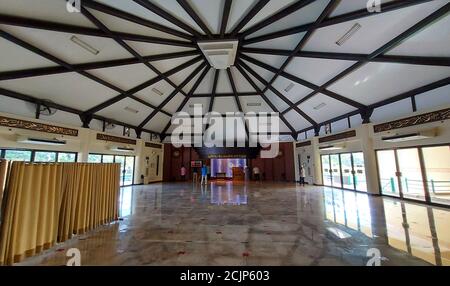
point(410, 136)
point(132, 110)
point(157, 91)
point(84, 45)
point(349, 34)
point(254, 104)
point(220, 54)
point(320, 106)
point(289, 87)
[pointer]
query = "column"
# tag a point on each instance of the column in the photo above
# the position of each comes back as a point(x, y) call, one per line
point(316, 160)
point(85, 139)
point(373, 185)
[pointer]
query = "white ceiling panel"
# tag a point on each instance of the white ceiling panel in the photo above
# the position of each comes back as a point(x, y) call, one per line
point(303, 16)
point(433, 41)
point(17, 106)
point(284, 43)
point(210, 11)
point(276, 100)
point(353, 5)
point(149, 49)
point(187, 88)
point(242, 85)
point(225, 104)
point(119, 112)
point(180, 76)
point(14, 57)
point(375, 31)
point(125, 77)
point(166, 65)
point(274, 61)
point(433, 99)
point(238, 11)
point(293, 91)
point(59, 45)
point(331, 109)
point(265, 74)
point(296, 120)
point(158, 122)
point(392, 111)
point(223, 84)
point(377, 81)
point(48, 10)
point(207, 83)
point(317, 71)
point(68, 89)
point(189, 107)
point(173, 104)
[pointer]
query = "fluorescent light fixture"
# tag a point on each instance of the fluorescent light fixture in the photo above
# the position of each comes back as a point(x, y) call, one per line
point(254, 104)
point(330, 148)
point(132, 110)
point(40, 141)
point(349, 34)
point(157, 91)
point(84, 45)
point(289, 87)
point(319, 106)
point(409, 137)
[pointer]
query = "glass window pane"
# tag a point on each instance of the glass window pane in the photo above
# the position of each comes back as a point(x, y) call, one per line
point(326, 170)
point(437, 165)
point(411, 174)
point(94, 158)
point(419, 232)
point(336, 171)
point(121, 160)
point(442, 225)
point(387, 170)
point(347, 175)
point(18, 155)
point(129, 170)
point(66, 157)
point(108, 159)
point(394, 224)
point(360, 172)
point(44, 156)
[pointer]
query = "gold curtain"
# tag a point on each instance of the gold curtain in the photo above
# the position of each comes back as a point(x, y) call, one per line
point(48, 203)
point(3, 175)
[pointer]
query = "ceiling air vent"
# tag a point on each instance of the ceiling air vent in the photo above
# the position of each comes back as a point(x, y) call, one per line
point(254, 104)
point(220, 54)
point(410, 136)
point(319, 106)
point(289, 87)
point(349, 34)
point(132, 110)
point(157, 91)
point(84, 45)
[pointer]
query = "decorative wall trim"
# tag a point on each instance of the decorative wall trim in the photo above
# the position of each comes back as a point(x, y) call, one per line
point(303, 144)
point(434, 116)
point(35, 126)
point(116, 139)
point(339, 136)
point(153, 145)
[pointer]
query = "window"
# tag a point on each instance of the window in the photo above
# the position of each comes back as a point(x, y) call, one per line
point(344, 171)
point(126, 165)
point(437, 168)
point(41, 156)
point(94, 158)
point(67, 157)
point(18, 155)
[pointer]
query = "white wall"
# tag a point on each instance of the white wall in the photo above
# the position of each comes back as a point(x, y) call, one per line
point(85, 143)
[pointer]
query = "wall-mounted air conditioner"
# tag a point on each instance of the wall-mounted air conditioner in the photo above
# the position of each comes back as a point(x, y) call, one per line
point(40, 141)
point(410, 136)
point(121, 149)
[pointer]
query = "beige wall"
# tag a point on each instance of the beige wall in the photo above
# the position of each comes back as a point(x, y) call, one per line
point(84, 144)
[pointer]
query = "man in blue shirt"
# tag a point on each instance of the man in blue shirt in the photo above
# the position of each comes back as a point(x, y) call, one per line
point(204, 174)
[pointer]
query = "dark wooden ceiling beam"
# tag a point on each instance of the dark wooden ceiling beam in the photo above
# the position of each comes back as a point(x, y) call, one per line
point(225, 16)
point(172, 95)
point(278, 93)
point(252, 13)
point(387, 7)
point(167, 16)
point(214, 90)
point(264, 97)
point(185, 5)
point(132, 18)
point(238, 102)
point(65, 28)
point(277, 16)
point(186, 98)
point(413, 60)
point(385, 48)
point(142, 86)
point(8, 75)
point(37, 101)
point(304, 83)
point(225, 94)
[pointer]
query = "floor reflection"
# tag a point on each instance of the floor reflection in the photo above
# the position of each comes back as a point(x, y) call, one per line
point(271, 223)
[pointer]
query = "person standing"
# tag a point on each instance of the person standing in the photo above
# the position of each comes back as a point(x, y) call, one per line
point(256, 174)
point(204, 174)
point(183, 173)
point(302, 175)
point(194, 175)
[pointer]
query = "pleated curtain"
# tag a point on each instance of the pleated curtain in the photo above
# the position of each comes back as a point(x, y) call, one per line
point(48, 203)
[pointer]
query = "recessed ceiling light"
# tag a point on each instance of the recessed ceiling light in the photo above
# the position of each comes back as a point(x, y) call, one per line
point(157, 91)
point(132, 110)
point(84, 45)
point(289, 87)
point(357, 83)
point(319, 106)
point(349, 34)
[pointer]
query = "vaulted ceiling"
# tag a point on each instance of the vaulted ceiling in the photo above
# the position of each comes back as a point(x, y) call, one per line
point(144, 63)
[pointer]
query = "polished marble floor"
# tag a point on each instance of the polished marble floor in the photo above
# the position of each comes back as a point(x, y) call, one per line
point(260, 224)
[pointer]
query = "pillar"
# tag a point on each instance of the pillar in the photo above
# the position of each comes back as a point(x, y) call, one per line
point(316, 160)
point(85, 139)
point(373, 185)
